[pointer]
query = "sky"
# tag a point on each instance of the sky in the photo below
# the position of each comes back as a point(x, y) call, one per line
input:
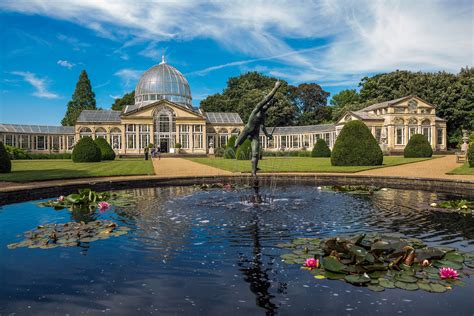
point(46, 43)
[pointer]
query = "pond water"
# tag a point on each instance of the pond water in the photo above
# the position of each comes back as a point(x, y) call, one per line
point(195, 252)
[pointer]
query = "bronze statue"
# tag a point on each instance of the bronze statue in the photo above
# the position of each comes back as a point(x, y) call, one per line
point(252, 128)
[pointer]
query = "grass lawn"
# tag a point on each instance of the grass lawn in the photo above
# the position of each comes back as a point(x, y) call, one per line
point(298, 164)
point(464, 169)
point(36, 170)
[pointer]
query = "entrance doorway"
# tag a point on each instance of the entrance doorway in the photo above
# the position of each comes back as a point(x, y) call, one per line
point(164, 145)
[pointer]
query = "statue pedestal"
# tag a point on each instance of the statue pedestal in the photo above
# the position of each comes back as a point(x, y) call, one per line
point(211, 151)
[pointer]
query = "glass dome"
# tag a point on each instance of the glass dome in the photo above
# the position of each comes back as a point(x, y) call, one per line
point(160, 82)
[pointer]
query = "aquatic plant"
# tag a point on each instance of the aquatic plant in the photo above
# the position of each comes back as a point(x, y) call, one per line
point(380, 261)
point(69, 234)
point(103, 206)
point(311, 263)
point(353, 189)
point(458, 206)
point(88, 200)
point(448, 273)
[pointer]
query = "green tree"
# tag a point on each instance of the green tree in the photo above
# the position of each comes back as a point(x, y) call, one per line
point(82, 99)
point(5, 162)
point(127, 99)
point(245, 91)
point(345, 100)
point(311, 101)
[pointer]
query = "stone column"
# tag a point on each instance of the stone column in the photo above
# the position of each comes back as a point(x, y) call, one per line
point(137, 138)
point(152, 134)
point(407, 136)
point(124, 140)
point(433, 135)
point(204, 138)
point(191, 136)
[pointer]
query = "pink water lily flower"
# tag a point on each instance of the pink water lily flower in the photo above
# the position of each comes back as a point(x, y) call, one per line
point(311, 263)
point(61, 198)
point(448, 273)
point(103, 206)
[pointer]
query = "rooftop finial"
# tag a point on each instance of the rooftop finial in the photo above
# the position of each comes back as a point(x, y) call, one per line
point(163, 59)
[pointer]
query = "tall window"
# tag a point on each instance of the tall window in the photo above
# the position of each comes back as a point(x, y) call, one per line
point(184, 135)
point(378, 134)
point(130, 136)
point(24, 141)
point(144, 135)
point(426, 129)
point(306, 140)
point(164, 123)
point(116, 138)
point(197, 137)
point(41, 142)
point(284, 141)
point(70, 141)
point(439, 136)
point(10, 140)
point(55, 143)
point(294, 141)
point(399, 135)
point(223, 136)
point(327, 138)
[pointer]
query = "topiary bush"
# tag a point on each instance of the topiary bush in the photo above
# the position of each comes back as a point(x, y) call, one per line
point(244, 151)
point(229, 152)
point(86, 151)
point(418, 147)
point(355, 146)
point(106, 151)
point(219, 152)
point(321, 149)
point(470, 155)
point(5, 162)
point(51, 156)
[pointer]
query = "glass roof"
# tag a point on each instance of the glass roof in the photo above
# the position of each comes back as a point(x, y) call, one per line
point(35, 129)
point(163, 81)
point(99, 116)
point(223, 117)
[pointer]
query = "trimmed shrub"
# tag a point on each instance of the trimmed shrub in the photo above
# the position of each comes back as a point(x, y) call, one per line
point(17, 153)
point(355, 146)
point(418, 147)
point(106, 151)
point(86, 151)
point(470, 155)
point(244, 151)
point(229, 152)
point(321, 149)
point(5, 162)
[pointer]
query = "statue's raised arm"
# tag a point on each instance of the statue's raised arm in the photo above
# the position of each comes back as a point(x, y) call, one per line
point(267, 98)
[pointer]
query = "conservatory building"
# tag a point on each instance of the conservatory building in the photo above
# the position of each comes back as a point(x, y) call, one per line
point(163, 115)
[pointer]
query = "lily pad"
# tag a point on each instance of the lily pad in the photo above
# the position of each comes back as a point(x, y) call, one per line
point(405, 278)
point(448, 264)
point(454, 256)
point(334, 276)
point(437, 288)
point(406, 286)
point(331, 263)
point(357, 278)
point(386, 283)
point(319, 277)
point(376, 288)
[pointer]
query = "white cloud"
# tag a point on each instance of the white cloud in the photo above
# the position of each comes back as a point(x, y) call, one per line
point(128, 75)
point(38, 83)
point(76, 44)
point(65, 63)
point(364, 36)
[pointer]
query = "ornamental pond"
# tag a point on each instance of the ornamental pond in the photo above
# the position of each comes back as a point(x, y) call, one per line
point(189, 250)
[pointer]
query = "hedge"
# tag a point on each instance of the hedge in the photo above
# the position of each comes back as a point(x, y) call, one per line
point(16, 153)
point(286, 153)
point(51, 156)
point(107, 153)
point(470, 155)
point(244, 151)
point(86, 151)
point(5, 162)
point(321, 149)
point(418, 147)
point(229, 152)
point(356, 146)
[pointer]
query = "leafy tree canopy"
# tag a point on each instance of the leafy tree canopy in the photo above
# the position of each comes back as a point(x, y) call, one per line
point(83, 98)
point(127, 99)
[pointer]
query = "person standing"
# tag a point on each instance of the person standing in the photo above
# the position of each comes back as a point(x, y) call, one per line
point(153, 152)
point(146, 153)
point(158, 152)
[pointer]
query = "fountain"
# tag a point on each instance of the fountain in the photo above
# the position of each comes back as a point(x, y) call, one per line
point(251, 131)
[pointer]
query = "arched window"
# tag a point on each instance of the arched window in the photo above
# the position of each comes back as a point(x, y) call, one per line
point(165, 128)
point(412, 127)
point(85, 131)
point(223, 137)
point(399, 131)
point(100, 132)
point(116, 138)
point(426, 129)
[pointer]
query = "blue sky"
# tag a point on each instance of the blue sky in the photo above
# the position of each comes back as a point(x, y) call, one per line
point(45, 45)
